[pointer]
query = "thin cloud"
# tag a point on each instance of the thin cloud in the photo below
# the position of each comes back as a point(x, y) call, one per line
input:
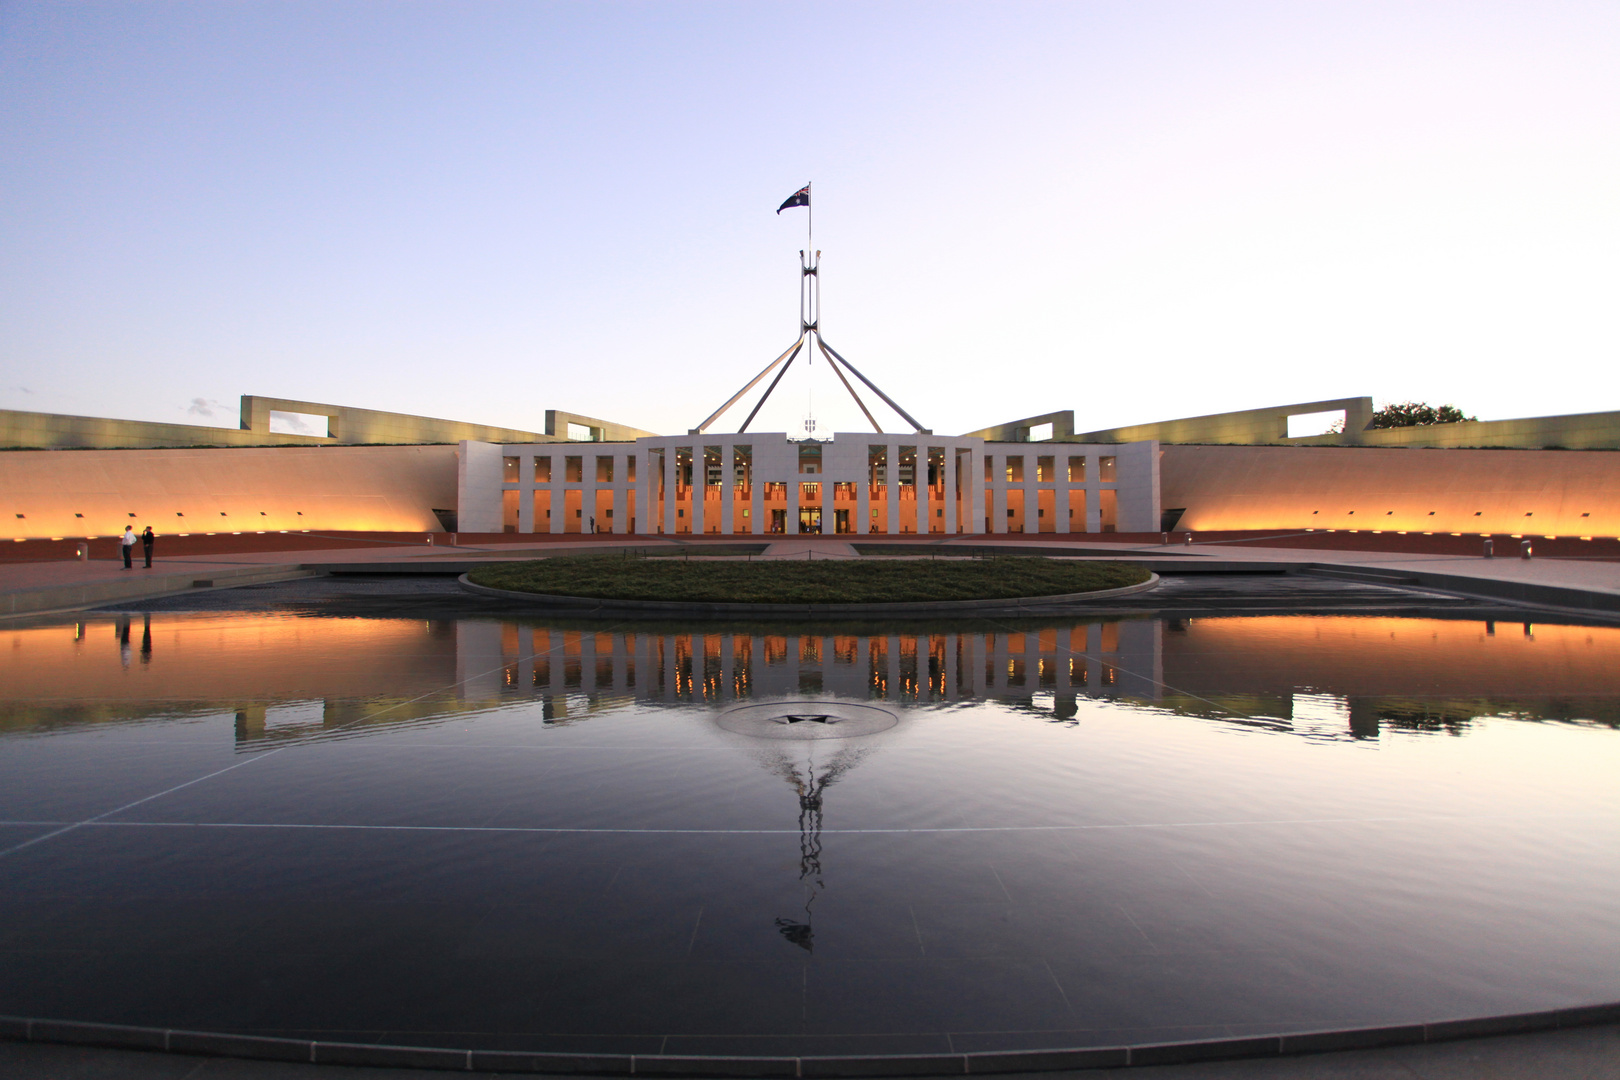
point(204, 406)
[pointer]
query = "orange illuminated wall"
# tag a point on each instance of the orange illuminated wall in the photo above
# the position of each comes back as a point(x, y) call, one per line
point(1531, 492)
point(77, 493)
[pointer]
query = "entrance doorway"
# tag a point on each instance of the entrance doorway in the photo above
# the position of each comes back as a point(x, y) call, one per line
point(810, 519)
point(841, 521)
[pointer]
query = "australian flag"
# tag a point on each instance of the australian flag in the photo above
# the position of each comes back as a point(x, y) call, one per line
point(798, 198)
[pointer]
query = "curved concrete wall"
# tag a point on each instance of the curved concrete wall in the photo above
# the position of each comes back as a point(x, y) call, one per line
point(370, 488)
point(1533, 492)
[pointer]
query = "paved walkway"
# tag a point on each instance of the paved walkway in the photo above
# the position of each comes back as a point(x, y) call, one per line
point(1591, 585)
point(1575, 1054)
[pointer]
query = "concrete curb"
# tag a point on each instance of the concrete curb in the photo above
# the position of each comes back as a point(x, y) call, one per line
point(941, 607)
point(263, 1048)
point(1524, 592)
point(51, 598)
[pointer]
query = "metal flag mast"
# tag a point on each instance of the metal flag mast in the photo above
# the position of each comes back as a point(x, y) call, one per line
point(809, 334)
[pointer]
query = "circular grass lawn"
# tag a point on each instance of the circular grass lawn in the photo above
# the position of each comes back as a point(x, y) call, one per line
point(847, 581)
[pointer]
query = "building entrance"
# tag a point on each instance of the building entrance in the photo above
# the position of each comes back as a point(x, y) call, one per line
point(810, 519)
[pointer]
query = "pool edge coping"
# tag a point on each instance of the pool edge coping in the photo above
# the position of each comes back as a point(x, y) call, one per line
point(676, 607)
point(320, 1052)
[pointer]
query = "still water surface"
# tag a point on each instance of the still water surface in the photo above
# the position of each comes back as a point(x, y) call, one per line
point(808, 839)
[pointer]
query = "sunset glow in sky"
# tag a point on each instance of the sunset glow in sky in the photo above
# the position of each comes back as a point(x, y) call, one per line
point(482, 210)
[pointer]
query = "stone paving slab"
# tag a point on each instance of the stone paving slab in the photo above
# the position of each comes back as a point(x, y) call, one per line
point(1571, 583)
point(1591, 1053)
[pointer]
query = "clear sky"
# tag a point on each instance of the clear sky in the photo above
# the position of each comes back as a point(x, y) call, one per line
point(1137, 210)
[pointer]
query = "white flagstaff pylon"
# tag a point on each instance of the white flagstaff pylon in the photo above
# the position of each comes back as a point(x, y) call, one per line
point(809, 333)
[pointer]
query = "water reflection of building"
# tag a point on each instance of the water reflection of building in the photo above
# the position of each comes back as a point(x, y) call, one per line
point(1057, 662)
point(292, 677)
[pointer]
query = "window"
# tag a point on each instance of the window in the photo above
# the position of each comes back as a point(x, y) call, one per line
point(989, 468)
point(1105, 469)
point(574, 470)
point(630, 468)
point(1044, 470)
point(604, 469)
point(542, 470)
point(742, 467)
point(509, 470)
point(809, 492)
point(843, 491)
point(714, 472)
point(1077, 470)
point(810, 458)
point(1015, 469)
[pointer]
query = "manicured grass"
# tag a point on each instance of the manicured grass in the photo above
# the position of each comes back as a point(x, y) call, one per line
point(866, 581)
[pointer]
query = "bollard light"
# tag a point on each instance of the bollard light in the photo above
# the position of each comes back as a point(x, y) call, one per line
point(1490, 549)
point(1524, 549)
point(1188, 541)
point(1166, 541)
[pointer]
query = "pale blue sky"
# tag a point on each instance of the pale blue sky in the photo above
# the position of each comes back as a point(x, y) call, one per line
point(482, 210)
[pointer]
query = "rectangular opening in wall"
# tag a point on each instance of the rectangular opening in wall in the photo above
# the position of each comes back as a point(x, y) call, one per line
point(298, 423)
point(509, 470)
point(1040, 432)
point(1077, 470)
point(542, 512)
point(509, 511)
point(1108, 509)
point(580, 433)
point(1107, 471)
point(542, 470)
point(604, 469)
point(1305, 425)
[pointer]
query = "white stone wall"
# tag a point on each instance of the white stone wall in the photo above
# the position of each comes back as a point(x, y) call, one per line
point(775, 459)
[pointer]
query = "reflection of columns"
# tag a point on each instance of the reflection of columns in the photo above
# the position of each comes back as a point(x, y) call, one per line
point(478, 659)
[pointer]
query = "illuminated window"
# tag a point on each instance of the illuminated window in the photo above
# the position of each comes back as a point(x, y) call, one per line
point(1077, 470)
point(509, 470)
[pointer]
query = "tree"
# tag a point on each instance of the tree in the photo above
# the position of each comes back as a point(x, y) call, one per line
point(1417, 414)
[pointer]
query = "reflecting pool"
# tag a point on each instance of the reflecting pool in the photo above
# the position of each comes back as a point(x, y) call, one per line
point(805, 839)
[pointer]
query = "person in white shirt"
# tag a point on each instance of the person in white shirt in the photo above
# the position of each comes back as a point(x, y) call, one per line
point(129, 546)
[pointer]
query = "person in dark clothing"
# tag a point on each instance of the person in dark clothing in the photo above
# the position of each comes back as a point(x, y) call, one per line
point(148, 538)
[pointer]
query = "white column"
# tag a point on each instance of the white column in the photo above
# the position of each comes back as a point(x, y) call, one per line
point(891, 476)
point(863, 494)
point(728, 484)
